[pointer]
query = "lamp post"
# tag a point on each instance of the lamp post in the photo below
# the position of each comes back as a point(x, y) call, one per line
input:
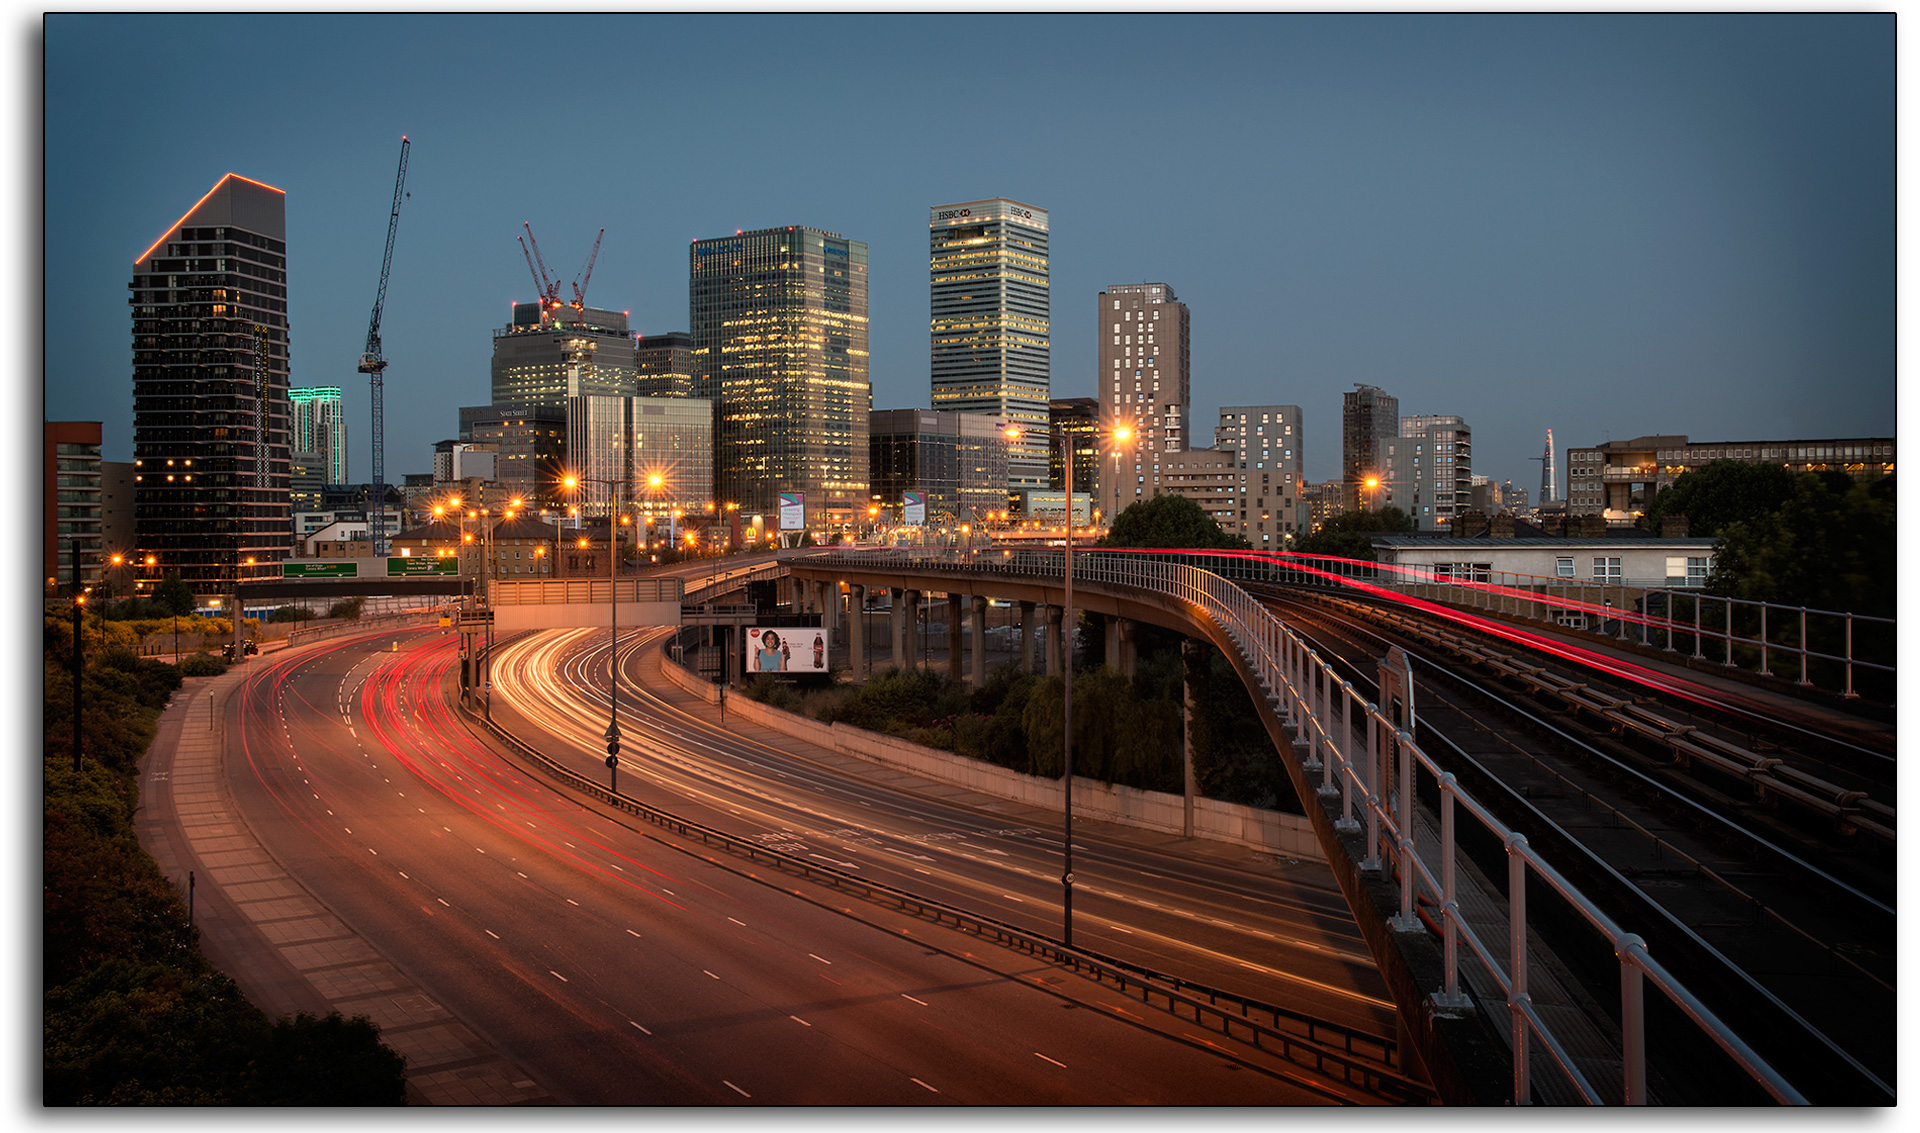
point(1122, 434)
point(613, 614)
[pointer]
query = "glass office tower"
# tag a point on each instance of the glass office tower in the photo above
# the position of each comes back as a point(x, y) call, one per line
point(991, 319)
point(319, 425)
point(779, 330)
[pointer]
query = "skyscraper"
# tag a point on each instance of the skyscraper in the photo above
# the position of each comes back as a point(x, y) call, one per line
point(319, 426)
point(779, 329)
point(546, 355)
point(1145, 383)
point(665, 364)
point(1269, 442)
point(210, 409)
point(1427, 471)
point(1368, 416)
point(991, 320)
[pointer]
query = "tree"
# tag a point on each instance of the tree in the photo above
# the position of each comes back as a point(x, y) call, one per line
point(1169, 522)
point(1818, 548)
point(173, 595)
point(1350, 534)
point(1723, 493)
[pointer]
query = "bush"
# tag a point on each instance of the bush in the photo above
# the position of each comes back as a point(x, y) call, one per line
point(347, 608)
point(292, 614)
point(201, 665)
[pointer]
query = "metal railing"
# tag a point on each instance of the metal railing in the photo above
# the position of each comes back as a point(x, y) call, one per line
point(1306, 693)
point(560, 591)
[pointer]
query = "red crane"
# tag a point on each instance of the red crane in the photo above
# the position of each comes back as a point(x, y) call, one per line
point(580, 285)
point(547, 287)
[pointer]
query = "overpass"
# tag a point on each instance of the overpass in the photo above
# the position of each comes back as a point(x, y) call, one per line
point(1465, 1000)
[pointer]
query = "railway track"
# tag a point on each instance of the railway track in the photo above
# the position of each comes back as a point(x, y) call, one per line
point(1763, 876)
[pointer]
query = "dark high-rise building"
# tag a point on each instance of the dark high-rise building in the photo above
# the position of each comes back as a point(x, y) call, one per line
point(1368, 416)
point(1075, 429)
point(210, 409)
point(546, 355)
point(530, 449)
point(1145, 384)
point(779, 334)
point(991, 322)
point(959, 460)
point(665, 364)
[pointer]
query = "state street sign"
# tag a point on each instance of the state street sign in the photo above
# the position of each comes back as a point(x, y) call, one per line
point(408, 567)
point(319, 570)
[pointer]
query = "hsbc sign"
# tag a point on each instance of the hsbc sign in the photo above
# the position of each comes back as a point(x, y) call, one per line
point(989, 210)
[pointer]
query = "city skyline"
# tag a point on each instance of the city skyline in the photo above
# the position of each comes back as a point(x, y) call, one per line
point(1474, 213)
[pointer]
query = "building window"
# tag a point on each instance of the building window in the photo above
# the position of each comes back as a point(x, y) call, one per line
point(1687, 570)
point(1606, 568)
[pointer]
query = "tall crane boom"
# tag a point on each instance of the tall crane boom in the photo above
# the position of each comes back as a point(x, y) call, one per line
point(374, 365)
point(548, 283)
point(580, 286)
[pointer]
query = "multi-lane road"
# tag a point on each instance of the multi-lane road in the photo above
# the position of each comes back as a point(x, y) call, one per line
point(617, 966)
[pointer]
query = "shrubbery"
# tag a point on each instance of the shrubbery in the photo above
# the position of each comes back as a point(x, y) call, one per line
point(133, 1013)
point(201, 665)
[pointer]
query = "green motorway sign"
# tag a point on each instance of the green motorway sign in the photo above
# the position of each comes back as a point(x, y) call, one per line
point(319, 570)
point(407, 567)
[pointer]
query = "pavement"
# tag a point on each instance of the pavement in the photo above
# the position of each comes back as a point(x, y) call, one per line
point(283, 946)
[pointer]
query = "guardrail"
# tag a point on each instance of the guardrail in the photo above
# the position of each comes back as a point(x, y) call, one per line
point(1305, 692)
point(1362, 1061)
point(359, 625)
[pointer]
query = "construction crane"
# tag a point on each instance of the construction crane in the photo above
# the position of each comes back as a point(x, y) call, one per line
point(580, 285)
point(544, 284)
point(371, 363)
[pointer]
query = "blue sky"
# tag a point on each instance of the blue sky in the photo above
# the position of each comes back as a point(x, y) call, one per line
point(1606, 225)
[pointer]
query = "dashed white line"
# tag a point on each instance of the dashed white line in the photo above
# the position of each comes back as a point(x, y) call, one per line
point(822, 959)
point(723, 1081)
point(800, 1021)
point(903, 995)
point(742, 924)
point(921, 1084)
point(491, 933)
point(570, 900)
point(630, 932)
point(403, 873)
point(637, 1026)
point(565, 980)
point(443, 901)
point(1056, 1062)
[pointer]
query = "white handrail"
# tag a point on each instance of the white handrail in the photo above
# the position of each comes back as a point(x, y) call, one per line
point(1285, 673)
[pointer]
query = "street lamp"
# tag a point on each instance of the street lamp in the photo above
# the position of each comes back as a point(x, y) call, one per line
point(1122, 434)
point(613, 613)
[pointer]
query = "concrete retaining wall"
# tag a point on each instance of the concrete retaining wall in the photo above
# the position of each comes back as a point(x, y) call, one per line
point(1285, 835)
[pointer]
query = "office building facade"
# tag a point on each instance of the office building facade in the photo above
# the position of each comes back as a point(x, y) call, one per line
point(1368, 417)
point(71, 511)
point(1145, 384)
point(958, 460)
point(658, 450)
point(547, 354)
point(530, 448)
point(779, 341)
point(319, 425)
point(211, 419)
point(1619, 479)
point(1428, 470)
point(991, 322)
point(1269, 446)
point(664, 364)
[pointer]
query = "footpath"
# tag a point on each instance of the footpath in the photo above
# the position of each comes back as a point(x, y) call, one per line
point(281, 944)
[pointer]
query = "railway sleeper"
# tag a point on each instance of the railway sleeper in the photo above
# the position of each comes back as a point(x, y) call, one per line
point(1854, 823)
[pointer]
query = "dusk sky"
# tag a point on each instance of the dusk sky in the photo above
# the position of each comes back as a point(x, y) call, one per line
point(1604, 225)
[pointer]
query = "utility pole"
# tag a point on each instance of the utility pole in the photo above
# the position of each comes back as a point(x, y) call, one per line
point(79, 601)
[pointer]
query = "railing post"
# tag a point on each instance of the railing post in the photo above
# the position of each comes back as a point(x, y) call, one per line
point(1803, 682)
point(1849, 693)
point(1633, 1020)
point(1374, 802)
point(1313, 719)
point(1450, 995)
point(1517, 966)
point(1405, 921)
point(1697, 642)
point(1764, 671)
point(1726, 629)
point(1337, 753)
point(1670, 597)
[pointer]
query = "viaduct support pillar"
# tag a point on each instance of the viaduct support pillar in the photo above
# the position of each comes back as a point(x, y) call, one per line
point(1055, 618)
point(1112, 635)
point(953, 635)
point(979, 620)
point(1193, 654)
point(897, 606)
point(1026, 637)
point(914, 659)
point(1127, 634)
point(857, 632)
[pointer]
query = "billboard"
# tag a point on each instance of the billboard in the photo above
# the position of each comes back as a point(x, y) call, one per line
point(788, 649)
point(793, 511)
point(913, 513)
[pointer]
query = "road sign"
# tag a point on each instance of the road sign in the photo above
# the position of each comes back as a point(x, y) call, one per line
point(406, 566)
point(319, 570)
point(613, 761)
point(613, 747)
point(612, 734)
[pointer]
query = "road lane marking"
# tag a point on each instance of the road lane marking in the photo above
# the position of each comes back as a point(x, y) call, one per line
point(570, 900)
point(742, 924)
point(491, 933)
point(637, 1026)
point(376, 853)
point(795, 1018)
point(703, 969)
point(723, 1081)
point(903, 995)
point(630, 932)
point(1056, 1062)
point(917, 1081)
point(403, 873)
point(443, 901)
point(822, 959)
point(550, 971)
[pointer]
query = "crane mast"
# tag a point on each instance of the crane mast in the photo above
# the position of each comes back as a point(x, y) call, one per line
point(372, 364)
